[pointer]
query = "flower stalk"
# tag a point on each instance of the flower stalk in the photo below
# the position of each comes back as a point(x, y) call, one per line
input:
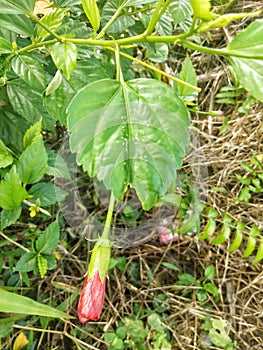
point(93, 293)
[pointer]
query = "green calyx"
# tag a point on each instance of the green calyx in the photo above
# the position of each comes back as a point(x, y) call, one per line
point(100, 258)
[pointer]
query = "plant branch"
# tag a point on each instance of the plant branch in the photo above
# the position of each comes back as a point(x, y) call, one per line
point(158, 12)
point(38, 208)
point(153, 68)
point(108, 24)
point(13, 242)
point(36, 19)
point(107, 226)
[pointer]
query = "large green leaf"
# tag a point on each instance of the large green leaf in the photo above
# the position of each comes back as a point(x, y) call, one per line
point(12, 193)
point(132, 134)
point(180, 10)
point(47, 193)
point(19, 24)
point(12, 127)
point(29, 69)
point(249, 42)
point(27, 101)
point(32, 164)
point(14, 303)
point(250, 74)
point(5, 46)
point(17, 6)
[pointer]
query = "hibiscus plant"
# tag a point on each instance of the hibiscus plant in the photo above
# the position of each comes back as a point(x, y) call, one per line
point(97, 69)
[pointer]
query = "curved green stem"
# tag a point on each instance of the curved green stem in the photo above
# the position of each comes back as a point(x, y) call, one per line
point(107, 226)
point(158, 12)
point(38, 21)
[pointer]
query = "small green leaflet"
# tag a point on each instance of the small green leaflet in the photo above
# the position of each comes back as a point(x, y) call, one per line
point(12, 193)
point(132, 134)
point(64, 56)
point(5, 156)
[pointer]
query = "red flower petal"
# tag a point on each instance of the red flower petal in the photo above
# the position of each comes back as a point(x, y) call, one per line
point(91, 299)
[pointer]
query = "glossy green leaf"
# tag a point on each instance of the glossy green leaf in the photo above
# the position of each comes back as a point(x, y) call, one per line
point(251, 245)
point(52, 20)
point(30, 70)
point(238, 237)
point(48, 240)
point(12, 193)
point(27, 262)
point(158, 52)
point(211, 288)
point(86, 72)
point(250, 74)
point(9, 217)
point(47, 193)
point(92, 12)
point(32, 164)
point(32, 134)
point(210, 272)
point(14, 303)
point(19, 24)
point(12, 127)
point(259, 254)
point(54, 84)
point(132, 134)
point(27, 101)
point(187, 74)
point(180, 10)
point(17, 6)
point(249, 42)
point(208, 230)
point(5, 155)
point(223, 235)
point(5, 46)
point(64, 56)
point(57, 102)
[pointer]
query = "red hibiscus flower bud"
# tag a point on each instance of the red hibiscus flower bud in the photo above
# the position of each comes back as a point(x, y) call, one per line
point(93, 293)
point(91, 298)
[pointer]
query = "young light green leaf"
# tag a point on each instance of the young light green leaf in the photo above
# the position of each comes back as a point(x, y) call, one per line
point(218, 335)
point(48, 240)
point(210, 272)
point(32, 134)
point(12, 193)
point(5, 46)
point(30, 70)
point(54, 84)
point(259, 255)
point(8, 217)
point(65, 56)
point(251, 245)
point(238, 236)
point(47, 193)
point(187, 74)
point(14, 303)
point(119, 146)
point(208, 230)
point(223, 236)
point(32, 164)
point(5, 156)
point(92, 12)
point(211, 288)
point(42, 265)
point(52, 20)
point(170, 266)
